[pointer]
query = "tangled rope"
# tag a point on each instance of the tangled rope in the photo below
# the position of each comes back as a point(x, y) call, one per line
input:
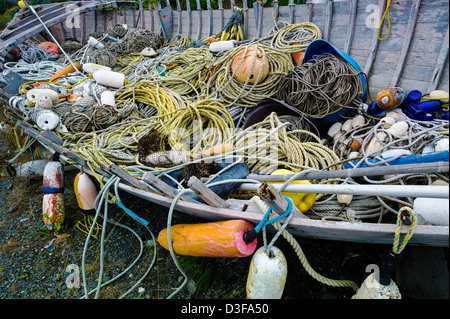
point(282, 147)
point(321, 86)
point(293, 37)
point(150, 93)
point(198, 126)
point(185, 71)
point(221, 80)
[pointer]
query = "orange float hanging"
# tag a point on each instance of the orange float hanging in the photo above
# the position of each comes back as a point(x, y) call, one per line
point(242, 66)
point(215, 239)
point(53, 201)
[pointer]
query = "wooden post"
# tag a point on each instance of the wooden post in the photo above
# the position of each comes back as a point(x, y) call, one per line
point(207, 195)
point(274, 200)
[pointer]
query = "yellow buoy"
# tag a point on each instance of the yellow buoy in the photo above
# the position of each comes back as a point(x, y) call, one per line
point(303, 201)
point(22, 4)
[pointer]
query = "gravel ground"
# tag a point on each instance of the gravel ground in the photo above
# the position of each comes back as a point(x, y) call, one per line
point(37, 264)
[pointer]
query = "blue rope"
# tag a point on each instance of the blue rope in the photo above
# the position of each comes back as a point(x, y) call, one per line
point(263, 222)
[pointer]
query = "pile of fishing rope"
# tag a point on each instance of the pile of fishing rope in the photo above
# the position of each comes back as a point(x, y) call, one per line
point(193, 100)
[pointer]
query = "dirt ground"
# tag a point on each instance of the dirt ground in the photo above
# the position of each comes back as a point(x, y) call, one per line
point(39, 264)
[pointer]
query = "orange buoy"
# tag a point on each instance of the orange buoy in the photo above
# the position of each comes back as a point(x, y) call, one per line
point(85, 192)
point(298, 56)
point(215, 239)
point(391, 98)
point(53, 200)
point(245, 69)
point(49, 47)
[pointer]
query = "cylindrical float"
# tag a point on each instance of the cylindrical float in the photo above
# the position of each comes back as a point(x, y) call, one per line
point(267, 274)
point(109, 78)
point(53, 202)
point(85, 192)
point(215, 239)
point(433, 210)
point(34, 95)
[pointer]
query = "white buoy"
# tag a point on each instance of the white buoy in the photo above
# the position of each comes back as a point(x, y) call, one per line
point(85, 191)
point(222, 46)
point(92, 67)
point(45, 119)
point(95, 43)
point(267, 274)
point(32, 169)
point(109, 78)
point(35, 94)
point(44, 103)
point(372, 289)
point(107, 98)
point(433, 210)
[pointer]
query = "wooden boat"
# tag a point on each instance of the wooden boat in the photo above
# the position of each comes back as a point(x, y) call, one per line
point(415, 57)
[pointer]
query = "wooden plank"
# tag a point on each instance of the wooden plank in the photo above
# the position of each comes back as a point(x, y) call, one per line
point(351, 25)
point(245, 26)
point(199, 20)
point(375, 42)
point(124, 175)
point(442, 59)
point(328, 19)
point(180, 18)
point(150, 178)
point(189, 15)
point(207, 195)
point(210, 17)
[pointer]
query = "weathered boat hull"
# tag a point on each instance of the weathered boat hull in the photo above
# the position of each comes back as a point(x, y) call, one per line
point(414, 56)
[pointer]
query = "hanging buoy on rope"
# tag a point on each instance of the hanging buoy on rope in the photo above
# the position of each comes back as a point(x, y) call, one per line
point(215, 239)
point(85, 192)
point(303, 201)
point(379, 284)
point(53, 201)
point(267, 274)
point(391, 98)
point(254, 65)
